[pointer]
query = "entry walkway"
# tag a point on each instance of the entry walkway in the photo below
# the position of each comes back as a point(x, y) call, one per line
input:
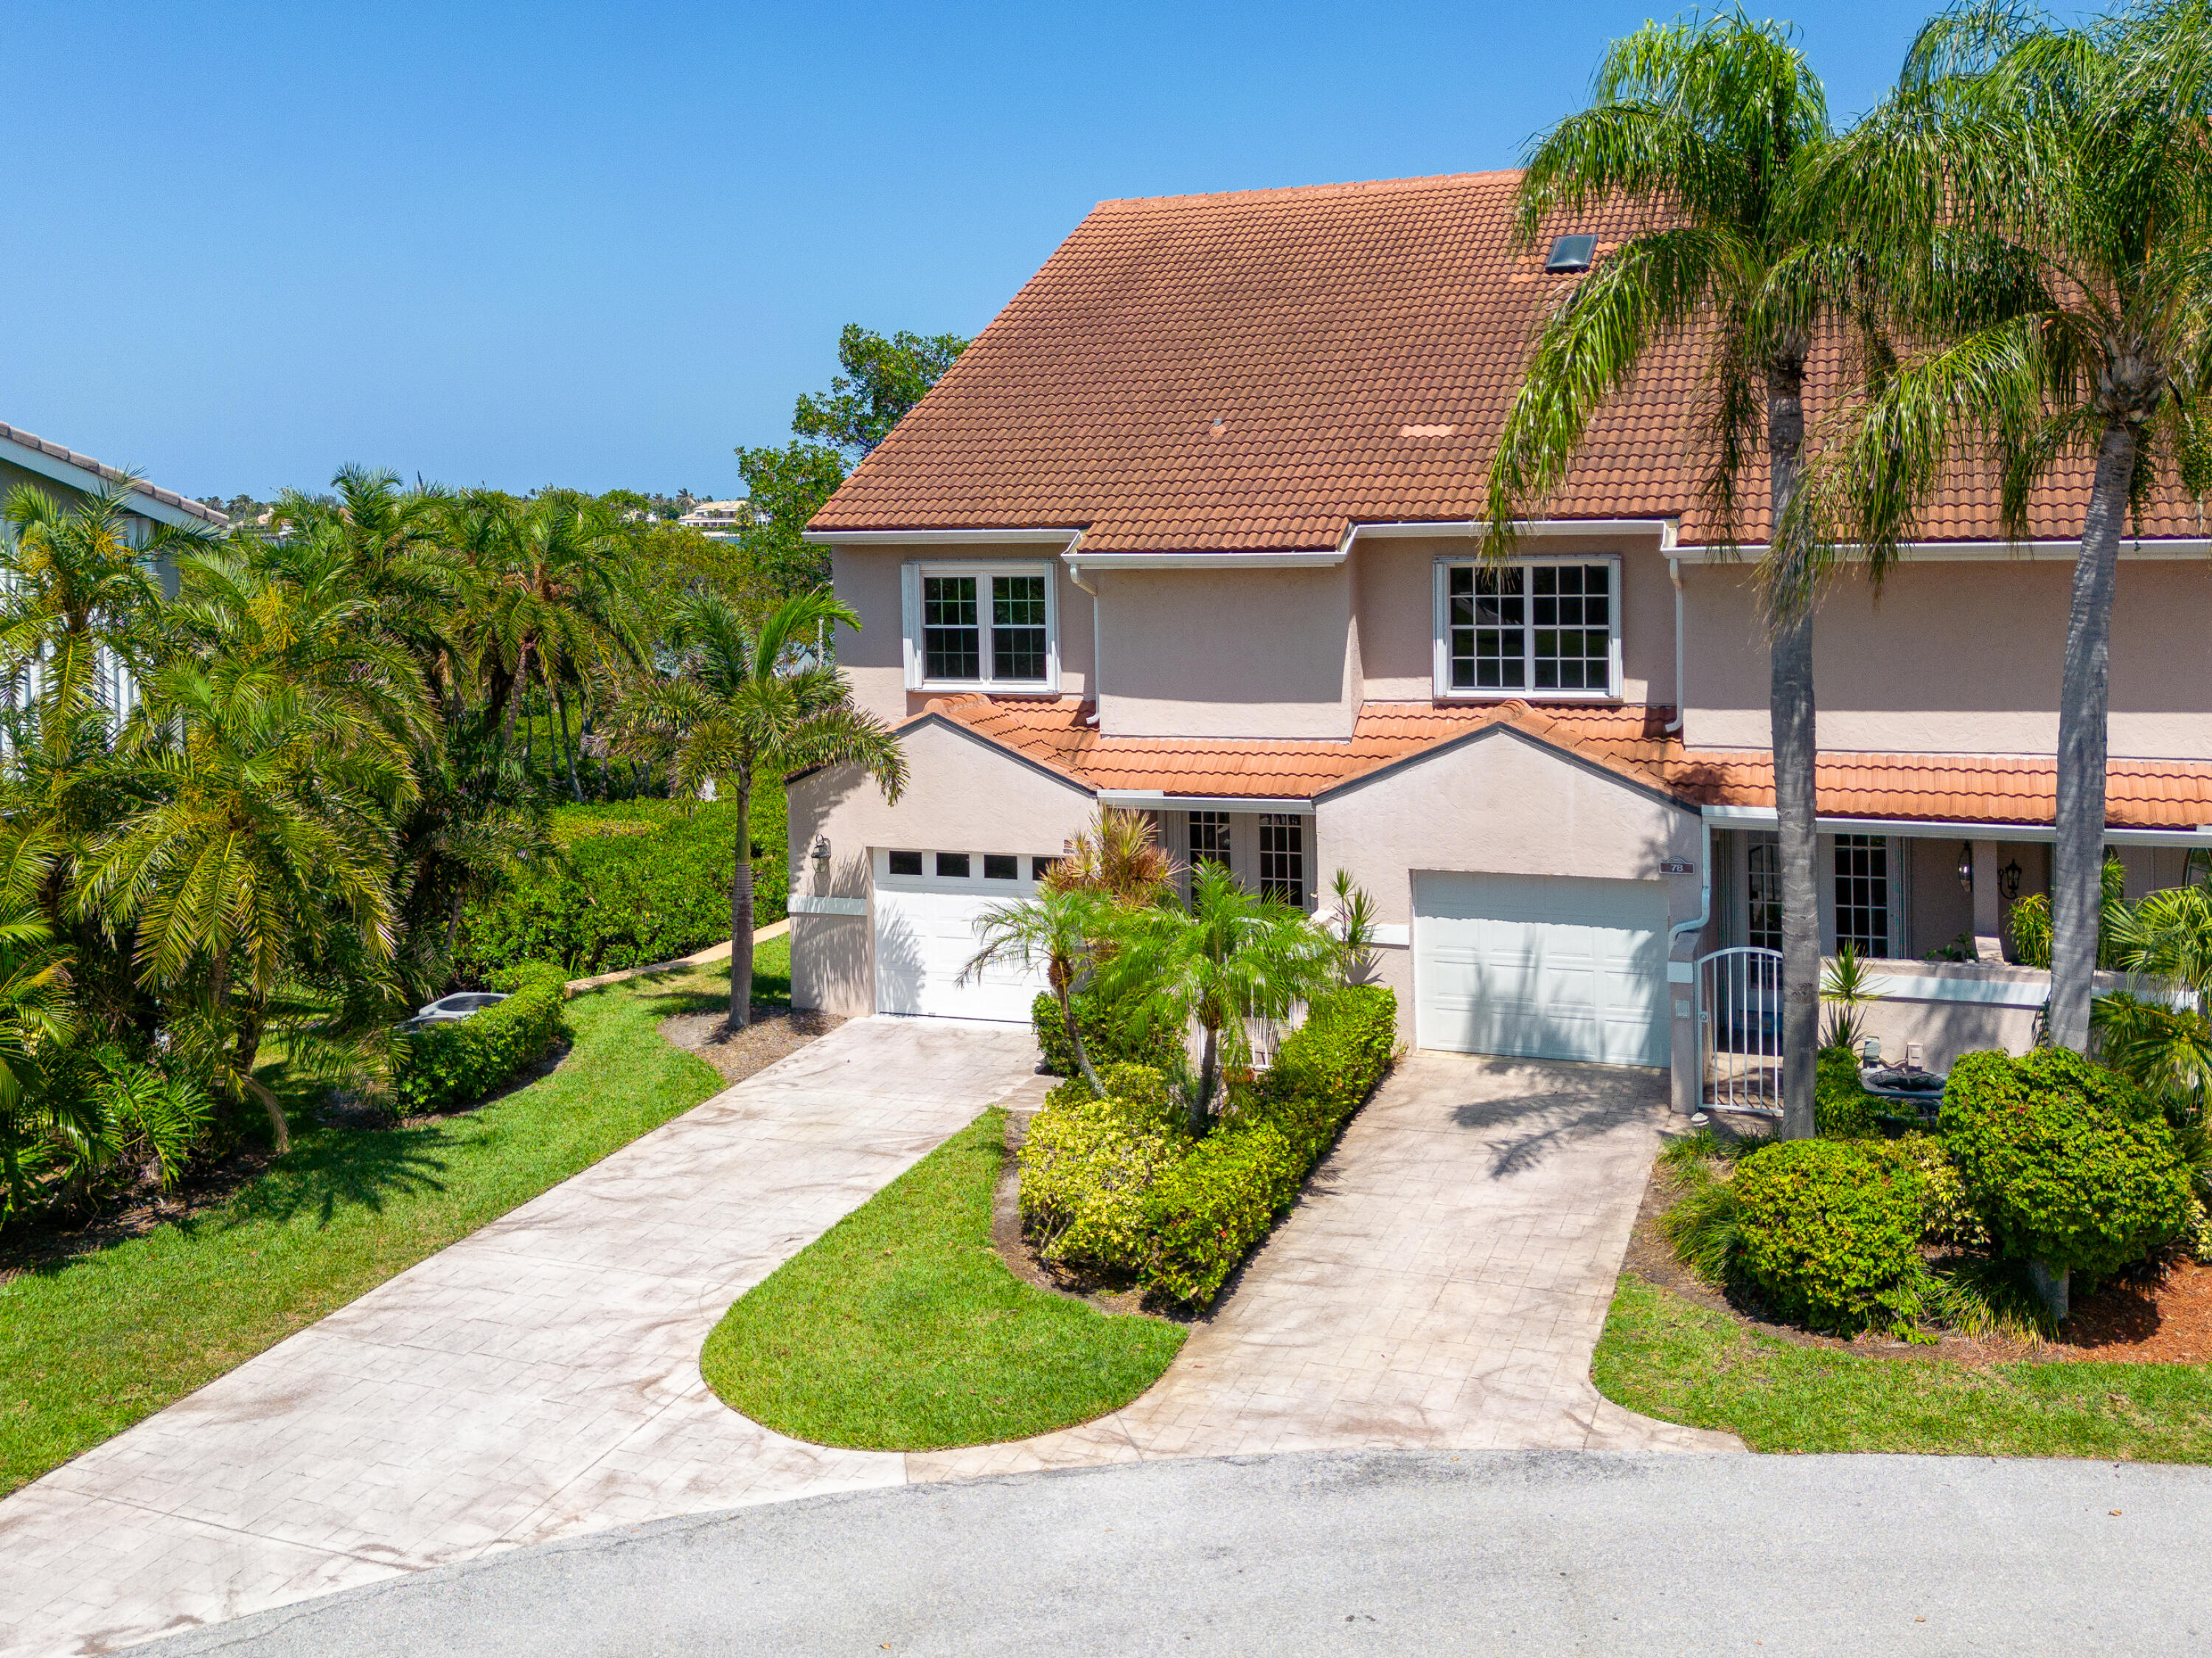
point(539, 1379)
point(1441, 1285)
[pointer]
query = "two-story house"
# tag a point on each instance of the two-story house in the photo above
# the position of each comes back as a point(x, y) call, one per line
point(1192, 528)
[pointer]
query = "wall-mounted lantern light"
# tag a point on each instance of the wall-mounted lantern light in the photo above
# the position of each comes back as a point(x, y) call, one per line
point(2008, 880)
point(1966, 864)
point(821, 852)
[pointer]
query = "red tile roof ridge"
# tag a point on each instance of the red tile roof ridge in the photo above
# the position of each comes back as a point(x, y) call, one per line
point(1290, 193)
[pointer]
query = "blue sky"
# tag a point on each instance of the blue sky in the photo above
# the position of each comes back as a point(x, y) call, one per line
point(601, 244)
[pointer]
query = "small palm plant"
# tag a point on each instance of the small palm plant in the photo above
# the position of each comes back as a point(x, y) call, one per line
point(1229, 958)
point(744, 696)
point(1847, 987)
point(1356, 929)
point(1119, 855)
point(1061, 932)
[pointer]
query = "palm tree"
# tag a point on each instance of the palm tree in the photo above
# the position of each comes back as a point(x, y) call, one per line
point(745, 697)
point(35, 1021)
point(1060, 931)
point(2044, 197)
point(272, 747)
point(1700, 127)
point(1119, 855)
point(1229, 958)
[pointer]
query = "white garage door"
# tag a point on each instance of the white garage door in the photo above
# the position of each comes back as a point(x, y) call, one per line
point(927, 903)
point(1544, 966)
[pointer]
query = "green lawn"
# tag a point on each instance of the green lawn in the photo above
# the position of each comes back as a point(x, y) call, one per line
point(900, 1329)
point(88, 1347)
point(1670, 1358)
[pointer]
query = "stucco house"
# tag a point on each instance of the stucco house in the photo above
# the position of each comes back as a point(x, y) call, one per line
point(1192, 528)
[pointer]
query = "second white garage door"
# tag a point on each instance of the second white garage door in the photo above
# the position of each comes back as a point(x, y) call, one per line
point(1542, 967)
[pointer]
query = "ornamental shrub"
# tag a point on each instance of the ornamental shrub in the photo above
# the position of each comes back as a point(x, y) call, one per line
point(1204, 1214)
point(1830, 1230)
point(1326, 1069)
point(1948, 1218)
point(1106, 1037)
point(642, 889)
point(1087, 1162)
point(2068, 1163)
point(1842, 1107)
point(443, 1066)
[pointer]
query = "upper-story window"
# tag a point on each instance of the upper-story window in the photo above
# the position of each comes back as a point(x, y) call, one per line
point(1542, 628)
point(982, 627)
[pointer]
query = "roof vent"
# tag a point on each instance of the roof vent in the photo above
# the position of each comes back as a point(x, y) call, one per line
point(1569, 253)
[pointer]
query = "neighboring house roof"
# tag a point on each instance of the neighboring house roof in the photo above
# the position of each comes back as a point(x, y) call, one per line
point(1630, 741)
point(1357, 345)
point(51, 459)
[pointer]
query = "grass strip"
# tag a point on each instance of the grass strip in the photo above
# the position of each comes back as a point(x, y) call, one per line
point(1667, 1358)
point(900, 1329)
point(89, 1345)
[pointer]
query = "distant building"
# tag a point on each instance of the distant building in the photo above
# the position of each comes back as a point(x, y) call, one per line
point(720, 519)
point(69, 477)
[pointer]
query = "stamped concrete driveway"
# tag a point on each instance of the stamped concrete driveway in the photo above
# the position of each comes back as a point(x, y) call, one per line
point(539, 1379)
point(1441, 1284)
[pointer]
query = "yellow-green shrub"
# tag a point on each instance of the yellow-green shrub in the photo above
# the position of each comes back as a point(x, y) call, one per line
point(1086, 1164)
point(1830, 1230)
point(1206, 1212)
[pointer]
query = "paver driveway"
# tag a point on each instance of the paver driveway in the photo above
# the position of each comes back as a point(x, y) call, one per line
point(538, 1379)
point(1443, 1283)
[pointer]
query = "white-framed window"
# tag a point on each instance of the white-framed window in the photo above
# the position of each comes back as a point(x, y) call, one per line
point(1543, 627)
point(982, 627)
point(1862, 893)
point(1283, 857)
point(1209, 838)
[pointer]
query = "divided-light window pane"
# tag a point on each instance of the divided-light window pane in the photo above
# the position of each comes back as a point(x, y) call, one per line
point(951, 641)
point(1863, 894)
point(1529, 627)
point(1018, 632)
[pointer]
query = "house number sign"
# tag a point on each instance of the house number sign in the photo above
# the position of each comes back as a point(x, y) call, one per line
point(1675, 866)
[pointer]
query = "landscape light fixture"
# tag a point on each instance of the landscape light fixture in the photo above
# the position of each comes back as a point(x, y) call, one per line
point(2008, 880)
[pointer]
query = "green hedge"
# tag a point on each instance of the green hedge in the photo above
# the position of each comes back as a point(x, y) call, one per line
point(637, 882)
point(1107, 1038)
point(1118, 1183)
point(2070, 1164)
point(1842, 1107)
point(1831, 1229)
point(446, 1066)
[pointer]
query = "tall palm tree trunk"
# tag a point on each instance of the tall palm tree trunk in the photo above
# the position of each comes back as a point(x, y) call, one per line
point(568, 747)
point(2084, 700)
point(1796, 740)
point(741, 904)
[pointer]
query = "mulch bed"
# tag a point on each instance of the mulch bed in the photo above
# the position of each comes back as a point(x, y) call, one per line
point(776, 1033)
point(2164, 1316)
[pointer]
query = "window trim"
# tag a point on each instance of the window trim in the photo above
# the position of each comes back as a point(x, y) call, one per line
point(916, 660)
point(1440, 633)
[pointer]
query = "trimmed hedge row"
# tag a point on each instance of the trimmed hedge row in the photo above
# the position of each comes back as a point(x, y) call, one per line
point(648, 887)
point(1119, 1184)
point(446, 1066)
point(1106, 1037)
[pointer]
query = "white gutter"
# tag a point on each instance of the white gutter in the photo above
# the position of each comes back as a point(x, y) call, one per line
point(1923, 829)
point(1097, 648)
point(1157, 799)
point(1311, 559)
point(1961, 552)
point(1539, 528)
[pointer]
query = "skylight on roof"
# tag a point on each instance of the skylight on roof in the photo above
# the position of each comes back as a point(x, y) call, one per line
point(1569, 253)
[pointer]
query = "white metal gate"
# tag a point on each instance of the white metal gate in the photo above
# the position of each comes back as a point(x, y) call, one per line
point(1740, 1029)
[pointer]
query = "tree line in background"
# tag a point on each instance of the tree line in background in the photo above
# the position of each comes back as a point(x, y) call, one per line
point(253, 780)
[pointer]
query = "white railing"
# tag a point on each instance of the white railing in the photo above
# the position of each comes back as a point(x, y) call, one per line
point(1740, 1031)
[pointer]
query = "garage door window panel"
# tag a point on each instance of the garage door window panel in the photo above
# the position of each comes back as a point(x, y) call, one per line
point(982, 628)
point(1544, 627)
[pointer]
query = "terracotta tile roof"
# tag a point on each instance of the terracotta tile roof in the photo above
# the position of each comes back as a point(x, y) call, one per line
point(1628, 740)
point(1357, 345)
point(113, 474)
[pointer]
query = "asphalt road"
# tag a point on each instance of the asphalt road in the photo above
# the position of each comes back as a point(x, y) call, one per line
point(1344, 1554)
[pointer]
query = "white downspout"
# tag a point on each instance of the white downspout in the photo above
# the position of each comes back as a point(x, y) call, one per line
point(1097, 653)
point(1705, 890)
point(1674, 575)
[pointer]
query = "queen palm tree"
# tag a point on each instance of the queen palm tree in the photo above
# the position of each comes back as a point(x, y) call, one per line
point(1231, 957)
point(2045, 194)
point(1701, 128)
point(744, 696)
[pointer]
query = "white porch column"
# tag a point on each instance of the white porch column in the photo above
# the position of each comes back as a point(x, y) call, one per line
point(1988, 909)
